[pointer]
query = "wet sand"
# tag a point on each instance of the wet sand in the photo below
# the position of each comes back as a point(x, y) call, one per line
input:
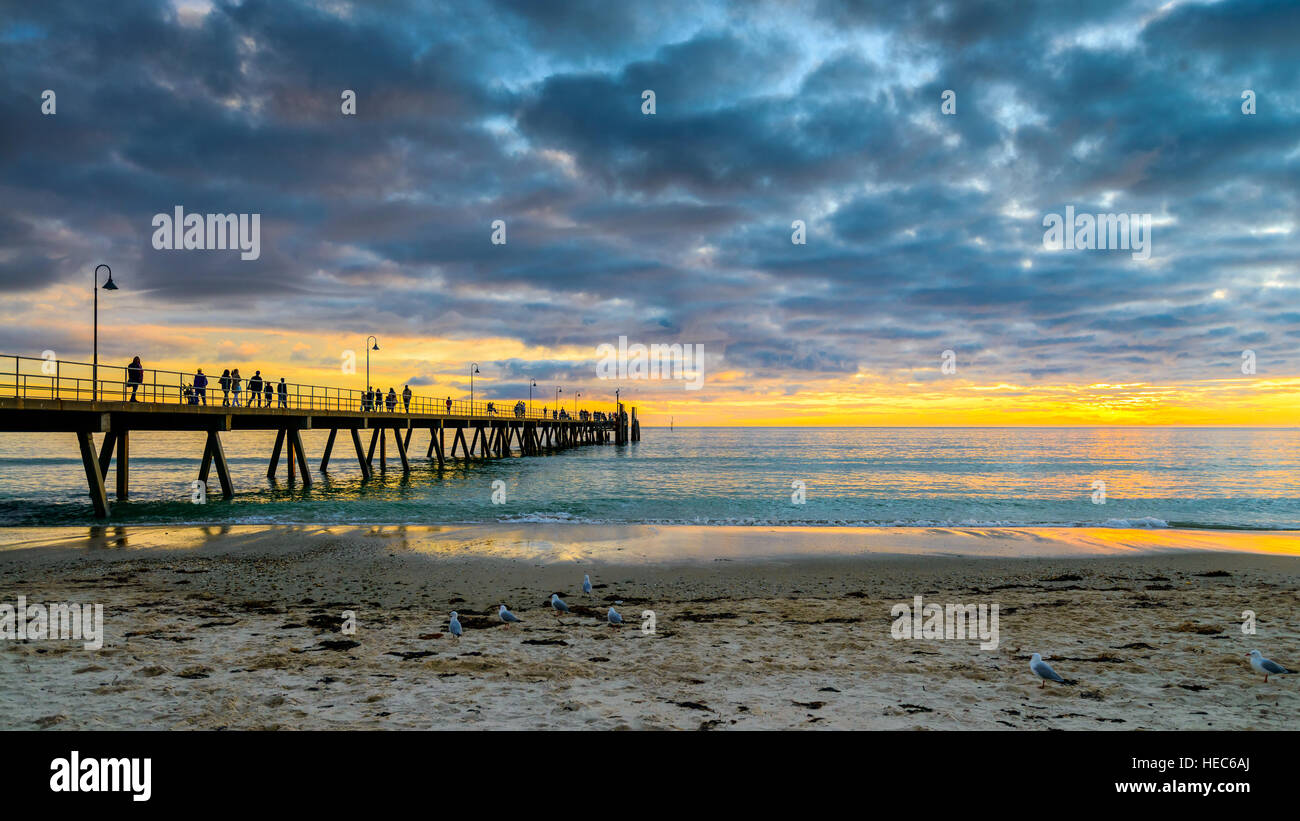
point(755, 628)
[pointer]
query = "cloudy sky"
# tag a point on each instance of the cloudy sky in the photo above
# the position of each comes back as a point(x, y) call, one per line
point(924, 230)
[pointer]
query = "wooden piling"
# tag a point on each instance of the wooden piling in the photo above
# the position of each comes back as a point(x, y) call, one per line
point(401, 448)
point(275, 454)
point(123, 465)
point(329, 447)
point(94, 478)
point(106, 452)
point(295, 441)
point(361, 455)
point(214, 454)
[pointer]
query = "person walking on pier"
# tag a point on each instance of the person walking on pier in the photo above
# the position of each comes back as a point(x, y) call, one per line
point(224, 381)
point(283, 390)
point(392, 400)
point(134, 376)
point(448, 405)
point(201, 386)
point(235, 386)
point(268, 391)
point(255, 390)
point(406, 398)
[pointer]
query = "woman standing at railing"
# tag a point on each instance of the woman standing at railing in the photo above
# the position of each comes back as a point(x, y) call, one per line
point(235, 386)
point(135, 376)
point(225, 388)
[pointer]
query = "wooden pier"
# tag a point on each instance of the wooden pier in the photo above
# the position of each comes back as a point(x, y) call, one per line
point(457, 429)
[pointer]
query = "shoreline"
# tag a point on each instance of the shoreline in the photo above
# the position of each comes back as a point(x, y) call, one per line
point(657, 544)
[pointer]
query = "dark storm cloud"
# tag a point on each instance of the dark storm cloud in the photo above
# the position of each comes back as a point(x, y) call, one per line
point(924, 231)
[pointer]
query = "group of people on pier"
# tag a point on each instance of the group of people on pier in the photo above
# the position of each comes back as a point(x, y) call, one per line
point(258, 391)
point(255, 392)
point(375, 400)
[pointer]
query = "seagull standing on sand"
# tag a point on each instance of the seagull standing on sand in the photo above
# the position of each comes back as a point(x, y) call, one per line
point(586, 584)
point(455, 627)
point(1043, 670)
point(508, 617)
point(558, 604)
point(613, 618)
point(1267, 666)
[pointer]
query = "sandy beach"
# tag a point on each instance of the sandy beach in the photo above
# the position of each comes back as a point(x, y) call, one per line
point(754, 628)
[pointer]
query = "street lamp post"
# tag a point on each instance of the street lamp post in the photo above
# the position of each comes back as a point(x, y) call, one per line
point(575, 403)
point(369, 340)
point(94, 287)
point(557, 401)
point(532, 383)
point(473, 369)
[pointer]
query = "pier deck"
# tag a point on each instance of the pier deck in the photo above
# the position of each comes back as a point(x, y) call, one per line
point(60, 399)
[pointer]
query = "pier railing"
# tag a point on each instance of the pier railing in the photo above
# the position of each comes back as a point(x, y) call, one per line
point(36, 378)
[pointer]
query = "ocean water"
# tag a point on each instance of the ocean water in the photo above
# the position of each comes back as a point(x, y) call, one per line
point(1154, 477)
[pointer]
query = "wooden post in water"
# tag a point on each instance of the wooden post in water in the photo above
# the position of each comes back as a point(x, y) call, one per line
point(123, 464)
point(401, 448)
point(275, 454)
point(361, 454)
point(106, 452)
point(295, 441)
point(213, 453)
point(94, 478)
point(329, 447)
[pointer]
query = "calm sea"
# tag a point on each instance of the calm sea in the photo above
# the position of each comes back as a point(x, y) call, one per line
point(1179, 477)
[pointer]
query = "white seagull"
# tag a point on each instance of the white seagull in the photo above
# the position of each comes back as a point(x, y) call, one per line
point(455, 627)
point(1043, 670)
point(1267, 666)
point(586, 584)
point(613, 618)
point(507, 617)
point(558, 604)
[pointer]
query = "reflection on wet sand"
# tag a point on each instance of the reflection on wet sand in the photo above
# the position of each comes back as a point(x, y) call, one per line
point(633, 544)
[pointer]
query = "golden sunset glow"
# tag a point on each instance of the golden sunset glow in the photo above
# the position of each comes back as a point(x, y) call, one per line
point(439, 367)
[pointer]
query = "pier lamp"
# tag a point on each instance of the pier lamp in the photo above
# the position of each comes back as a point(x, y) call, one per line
point(473, 369)
point(575, 403)
point(532, 383)
point(94, 287)
point(369, 341)
point(557, 400)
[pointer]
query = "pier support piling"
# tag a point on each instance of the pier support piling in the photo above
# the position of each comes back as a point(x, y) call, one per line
point(94, 478)
point(361, 454)
point(329, 448)
point(123, 475)
point(275, 454)
point(295, 443)
point(401, 448)
point(214, 454)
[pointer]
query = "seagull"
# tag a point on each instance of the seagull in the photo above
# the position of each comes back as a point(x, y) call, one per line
point(1043, 670)
point(455, 627)
point(508, 617)
point(586, 584)
point(613, 618)
point(1267, 666)
point(558, 604)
